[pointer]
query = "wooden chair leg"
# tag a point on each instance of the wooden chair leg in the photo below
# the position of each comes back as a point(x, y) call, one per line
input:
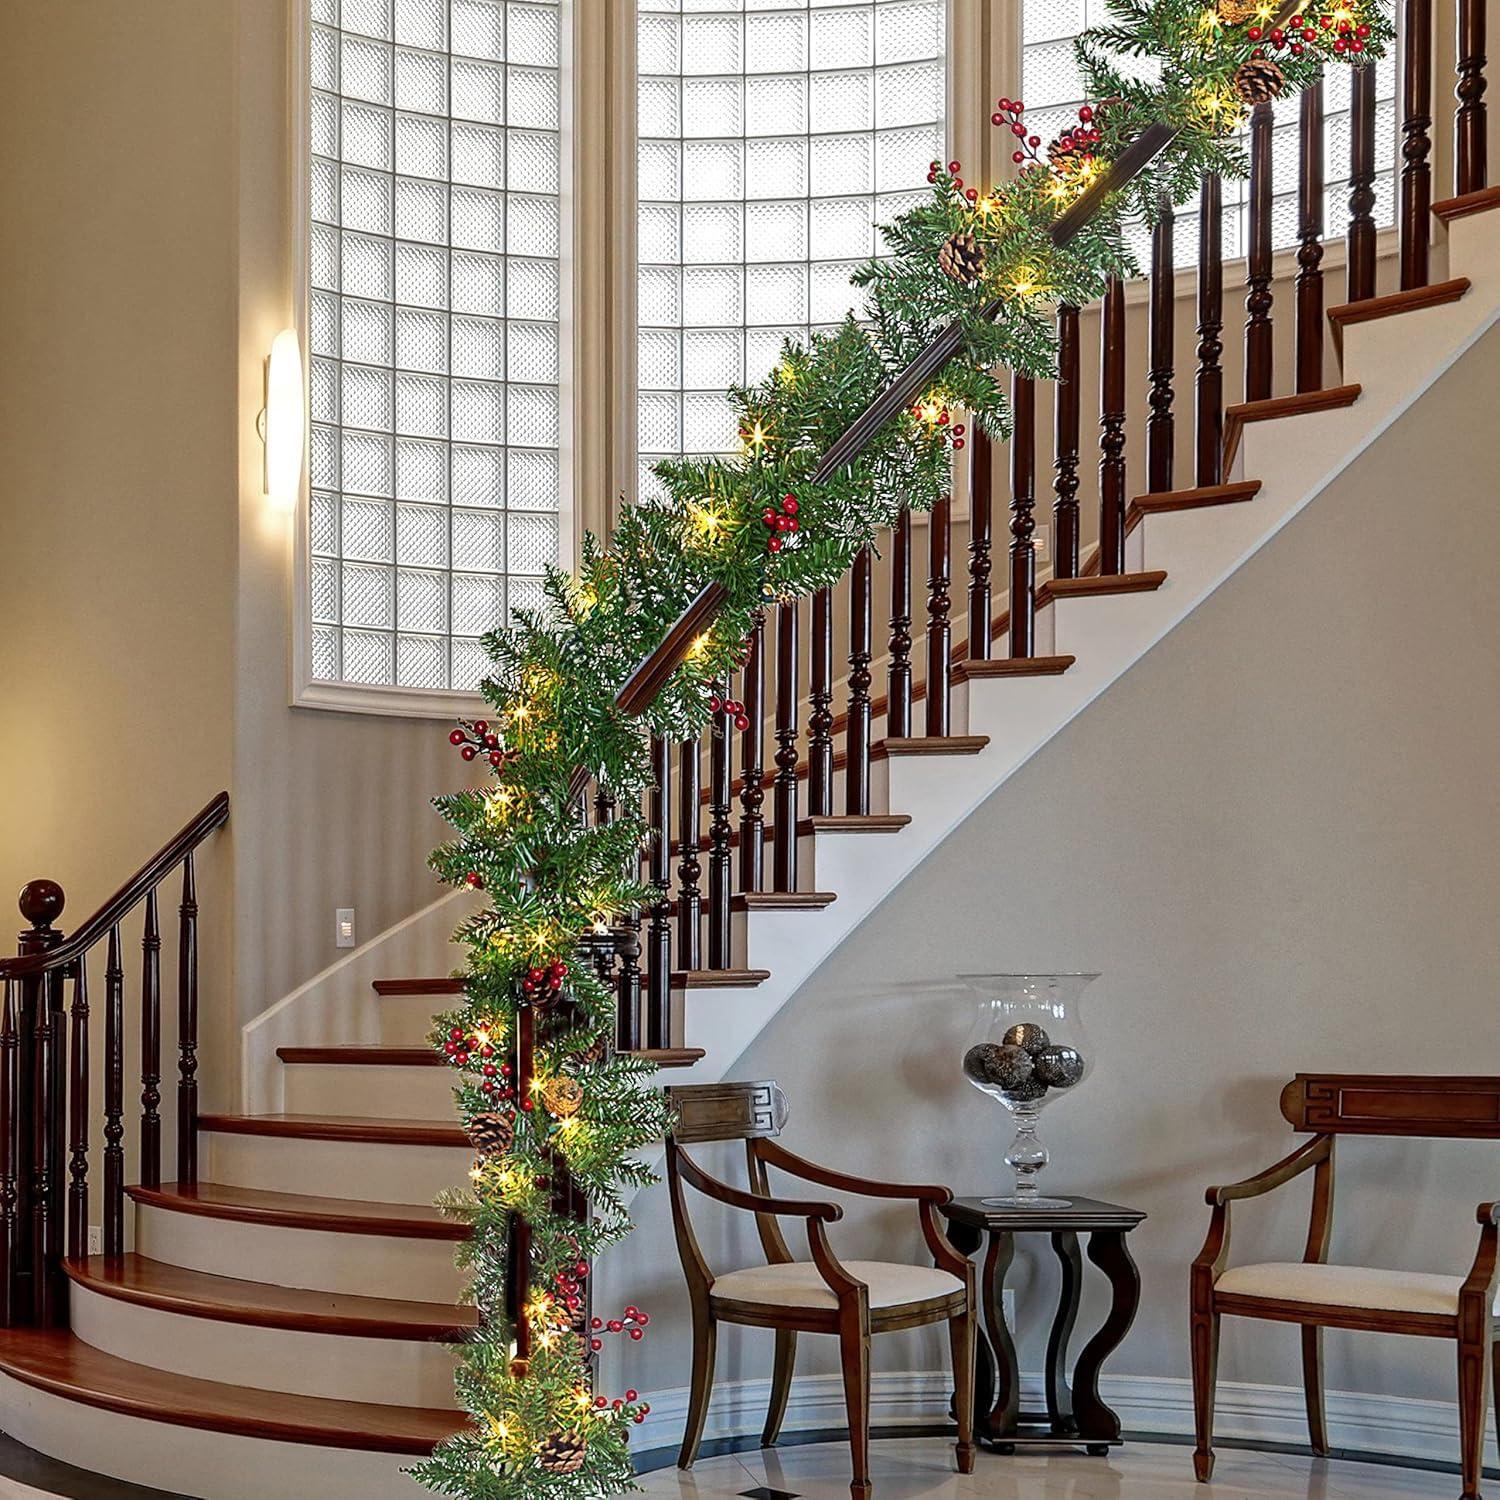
point(854, 1353)
point(1495, 1383)
point(1473, 1378)
point(962, 1340)
point(705, 1345)
point(1312, 1382)
point(1205, 1339)
point(781, 1385)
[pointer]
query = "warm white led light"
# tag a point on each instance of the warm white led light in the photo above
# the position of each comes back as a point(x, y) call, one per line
point(284, 425)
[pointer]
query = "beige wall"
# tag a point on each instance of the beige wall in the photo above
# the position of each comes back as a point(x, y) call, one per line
point(1276, 837)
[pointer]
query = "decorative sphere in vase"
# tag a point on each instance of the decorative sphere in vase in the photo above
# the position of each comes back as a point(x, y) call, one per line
point(1028, 1047)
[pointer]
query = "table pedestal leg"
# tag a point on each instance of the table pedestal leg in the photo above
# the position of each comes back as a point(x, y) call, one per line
point(966, 1239)
point(1006, 1411)
point(1059, 1398)
point(1097, 1424)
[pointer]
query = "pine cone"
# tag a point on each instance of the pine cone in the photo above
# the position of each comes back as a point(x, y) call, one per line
point(1237, 12)
point(962, 257)
point(562, 1452)
point(1259, 81)
point(562, 1096)
point(492, 1134)
point(595, 1052)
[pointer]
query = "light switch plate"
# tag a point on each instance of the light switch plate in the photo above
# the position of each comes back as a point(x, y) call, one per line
point(343, 927)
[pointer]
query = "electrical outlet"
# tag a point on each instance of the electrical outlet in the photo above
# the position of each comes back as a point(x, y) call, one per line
point(96, 1239)
point(343, 927)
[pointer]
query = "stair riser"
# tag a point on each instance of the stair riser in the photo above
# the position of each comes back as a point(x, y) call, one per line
point(395, 1093)
point(405, 1020)
point(194, 1461)
point(334, 1169)
point(394, 1372)
point(322, 1260)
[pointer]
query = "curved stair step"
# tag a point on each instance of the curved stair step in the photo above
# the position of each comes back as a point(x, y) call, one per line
point(379, 1132)
point(217, 1200)
point(226, 1299)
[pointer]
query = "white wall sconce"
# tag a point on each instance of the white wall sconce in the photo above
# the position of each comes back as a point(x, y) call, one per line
point(281, 424)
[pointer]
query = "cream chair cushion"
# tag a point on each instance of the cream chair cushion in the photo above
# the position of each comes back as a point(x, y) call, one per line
point(1345, 1286)
point(800, 1284)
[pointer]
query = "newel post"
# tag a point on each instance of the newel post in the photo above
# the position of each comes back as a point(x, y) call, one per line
point(31, 1116)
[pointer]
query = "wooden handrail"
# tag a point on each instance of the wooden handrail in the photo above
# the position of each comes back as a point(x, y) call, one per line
point(145, 880)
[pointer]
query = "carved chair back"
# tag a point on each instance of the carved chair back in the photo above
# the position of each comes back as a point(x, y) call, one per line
point(1393, 1104)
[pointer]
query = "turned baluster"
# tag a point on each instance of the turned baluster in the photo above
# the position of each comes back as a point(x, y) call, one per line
point(720, 831)
point(1066, 418)
point(151, 1045)
point(1209, 383)
point(187, 1027)
point(784, 871)
point(114, 1098)
point(981, 502)
point(10, 1164)
point(861, 641)
point(1310, 242)
point(519, 1267)
point(1416, 143)
point(939, 616)
point(752, 763)
point(1470, 126)
point(689, 869)
point(1259, 298)
point(78, 1115)
point(1361, 234)
point(628, 983)
point(1161, 426)
point(820, 720)
point(898, 691)
point(44, 1197)
point(1022, 523)
point(659, 935)
point(1112, 431)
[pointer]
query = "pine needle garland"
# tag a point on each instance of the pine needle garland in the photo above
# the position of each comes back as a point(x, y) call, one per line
point(757, 525)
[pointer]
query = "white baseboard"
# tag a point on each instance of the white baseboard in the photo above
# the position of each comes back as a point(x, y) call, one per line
point(1391, 1425)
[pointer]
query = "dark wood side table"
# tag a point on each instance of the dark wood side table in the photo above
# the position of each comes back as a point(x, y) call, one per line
point(1076, 1415)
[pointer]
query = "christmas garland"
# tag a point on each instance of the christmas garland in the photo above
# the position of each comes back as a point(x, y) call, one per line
point(555, 1115)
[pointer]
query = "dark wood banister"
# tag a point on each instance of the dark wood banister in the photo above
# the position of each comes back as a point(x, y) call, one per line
point(145, 880)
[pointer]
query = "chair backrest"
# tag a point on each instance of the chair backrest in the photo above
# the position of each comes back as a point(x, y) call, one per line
point(1395, 1104)
point(727, 1111)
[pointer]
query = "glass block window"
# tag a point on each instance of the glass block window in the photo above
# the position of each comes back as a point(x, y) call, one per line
point(1052, 91)
point(775, 135)
point(433, 331)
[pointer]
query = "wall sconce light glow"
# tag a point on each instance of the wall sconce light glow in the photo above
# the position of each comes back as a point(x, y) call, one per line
point(282, 420)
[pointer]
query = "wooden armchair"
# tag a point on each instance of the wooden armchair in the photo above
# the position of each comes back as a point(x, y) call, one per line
point(852, 1299)
point(1316, 1295)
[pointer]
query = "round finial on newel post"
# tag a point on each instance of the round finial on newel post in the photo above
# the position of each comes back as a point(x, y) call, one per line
point(41, 903)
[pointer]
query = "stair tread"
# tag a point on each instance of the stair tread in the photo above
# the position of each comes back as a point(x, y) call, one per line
point(219, 1200)
point(855, 823)
point(1196, 498)
point(53, 1359)
point(1235, 417)
point(380, 1130)
point(444, 985)
point(153, 1283)
point(783, 900)
point(670, 1057)
point(1099, 585)
point(1368, 308)
point(363, 1056)
point(1448, 209)
point(1014, 666)
point(930, 744)
point(718, 979)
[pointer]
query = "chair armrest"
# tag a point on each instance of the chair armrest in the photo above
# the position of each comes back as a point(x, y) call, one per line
point(757, 1203)
point(810, 1171)
point(1301, 1160)
point(1489, 1213)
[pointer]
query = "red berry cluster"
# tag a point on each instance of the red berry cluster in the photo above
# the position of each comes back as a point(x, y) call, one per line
point(1084, 136)
point(467, 1050)
point(944, 426)
point(780, 523)
point(543, 984)
point(1008, 113)
point(632, 1322)
point(935, 171)
point(1299, 30)
point(733, 707)
point(473, 736)
point(570, 1285)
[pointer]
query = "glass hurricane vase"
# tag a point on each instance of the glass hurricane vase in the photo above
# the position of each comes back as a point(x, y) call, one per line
point(1028, 1047)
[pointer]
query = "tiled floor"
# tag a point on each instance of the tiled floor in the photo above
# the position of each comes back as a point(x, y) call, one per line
point(922, 1469)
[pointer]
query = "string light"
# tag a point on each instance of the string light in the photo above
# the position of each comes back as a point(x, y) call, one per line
point(755, 438)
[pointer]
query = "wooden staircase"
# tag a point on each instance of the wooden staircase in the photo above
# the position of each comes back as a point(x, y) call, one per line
point(285, 1303)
